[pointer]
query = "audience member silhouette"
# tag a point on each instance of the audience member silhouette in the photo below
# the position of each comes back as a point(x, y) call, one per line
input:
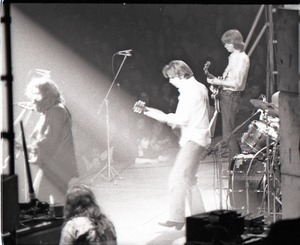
point(85, 223)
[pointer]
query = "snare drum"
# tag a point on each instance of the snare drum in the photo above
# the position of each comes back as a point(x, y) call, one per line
point(246, 183)
point(256, 136)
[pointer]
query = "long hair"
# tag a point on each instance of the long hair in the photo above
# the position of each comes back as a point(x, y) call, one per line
point(81, 202)
point(46, 86)
point(235, 38)
point(177, 68)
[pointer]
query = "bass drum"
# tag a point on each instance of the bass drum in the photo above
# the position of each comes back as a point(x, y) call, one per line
point(246, 184)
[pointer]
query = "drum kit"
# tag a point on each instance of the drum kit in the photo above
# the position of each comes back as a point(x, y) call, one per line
point(254, 178)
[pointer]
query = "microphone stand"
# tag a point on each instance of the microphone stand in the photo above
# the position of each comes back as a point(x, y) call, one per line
point(111, 173)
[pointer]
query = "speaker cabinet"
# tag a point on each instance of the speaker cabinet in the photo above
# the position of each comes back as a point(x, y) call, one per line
point(10, 205)
point(218, 225)
point(36, 231)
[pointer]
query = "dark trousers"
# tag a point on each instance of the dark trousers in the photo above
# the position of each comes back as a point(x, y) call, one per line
point(230, 105)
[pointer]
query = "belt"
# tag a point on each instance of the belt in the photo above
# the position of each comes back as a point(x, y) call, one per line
point(232, 92)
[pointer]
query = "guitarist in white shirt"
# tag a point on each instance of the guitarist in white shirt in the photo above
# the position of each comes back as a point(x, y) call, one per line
point(233, 82)
point(192, 118)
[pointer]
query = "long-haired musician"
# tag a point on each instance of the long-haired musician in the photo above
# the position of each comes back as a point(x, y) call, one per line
point(51, 142)
point(232, 82)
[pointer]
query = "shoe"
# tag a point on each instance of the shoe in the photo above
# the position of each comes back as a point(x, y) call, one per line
point(178, 225)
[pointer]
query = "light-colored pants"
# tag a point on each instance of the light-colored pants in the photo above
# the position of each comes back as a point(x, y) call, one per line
point(183, 182)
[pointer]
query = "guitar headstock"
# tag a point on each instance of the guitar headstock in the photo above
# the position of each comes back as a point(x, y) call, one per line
point(205, 69)
point(139, 106)
point(206, 66)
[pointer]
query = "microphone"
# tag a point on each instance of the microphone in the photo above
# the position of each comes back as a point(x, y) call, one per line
point(125, 52)
point(26, 105)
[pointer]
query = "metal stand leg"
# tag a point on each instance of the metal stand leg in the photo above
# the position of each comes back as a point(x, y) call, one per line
point(218, 169)
point(108, 172)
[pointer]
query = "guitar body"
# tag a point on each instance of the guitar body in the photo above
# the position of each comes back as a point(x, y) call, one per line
point(213, 88)
point(216, 96)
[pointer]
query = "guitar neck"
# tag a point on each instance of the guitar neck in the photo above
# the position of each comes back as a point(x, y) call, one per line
point(211, 76)
point(28, 171)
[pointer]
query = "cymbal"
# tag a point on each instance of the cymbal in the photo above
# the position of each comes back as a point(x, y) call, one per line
point(272, 109)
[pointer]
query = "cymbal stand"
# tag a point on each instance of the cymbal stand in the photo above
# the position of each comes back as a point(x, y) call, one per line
point(270, 190)
point(216, 152)
point(111, 173)
point(217, 158)
point(275, 165)
point(270, 178)
point(247, 179)
point(267, 164)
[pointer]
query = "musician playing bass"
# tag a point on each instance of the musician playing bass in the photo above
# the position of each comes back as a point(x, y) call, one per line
point(233, 82)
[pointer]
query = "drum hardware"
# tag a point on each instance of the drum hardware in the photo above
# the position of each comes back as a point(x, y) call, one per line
point(268, 167)
point(261, 133)
point(258, 134)
point(239, 172)
point(265, 106)
point(249, 188)
point(274, 186)
point(245, 184)
point(216, 153)
point(237, 191)
point(263, 139)
point(271, 199)
point(258, 191)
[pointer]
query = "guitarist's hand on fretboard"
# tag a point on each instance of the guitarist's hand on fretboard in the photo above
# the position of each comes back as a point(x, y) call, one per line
point(139, 106)
point(205, 69)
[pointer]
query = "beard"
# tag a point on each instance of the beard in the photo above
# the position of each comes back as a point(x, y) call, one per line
point(45, 103)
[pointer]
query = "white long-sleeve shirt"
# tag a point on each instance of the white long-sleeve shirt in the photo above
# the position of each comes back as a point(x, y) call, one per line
point(234, 77)
point(192, 113)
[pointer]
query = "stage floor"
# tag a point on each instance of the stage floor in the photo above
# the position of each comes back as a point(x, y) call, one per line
point(136, 200)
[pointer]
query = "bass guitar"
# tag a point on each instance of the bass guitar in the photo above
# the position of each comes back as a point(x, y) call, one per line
point(215, 89)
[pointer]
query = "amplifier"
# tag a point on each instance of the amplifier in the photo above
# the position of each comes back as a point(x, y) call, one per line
point(36, 231)
point(9, 197)
point(219, 225)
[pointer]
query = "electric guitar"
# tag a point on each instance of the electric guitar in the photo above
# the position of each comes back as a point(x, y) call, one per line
point(215, 89)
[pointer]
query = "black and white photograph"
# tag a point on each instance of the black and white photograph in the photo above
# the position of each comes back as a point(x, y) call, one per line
point(136, 123)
